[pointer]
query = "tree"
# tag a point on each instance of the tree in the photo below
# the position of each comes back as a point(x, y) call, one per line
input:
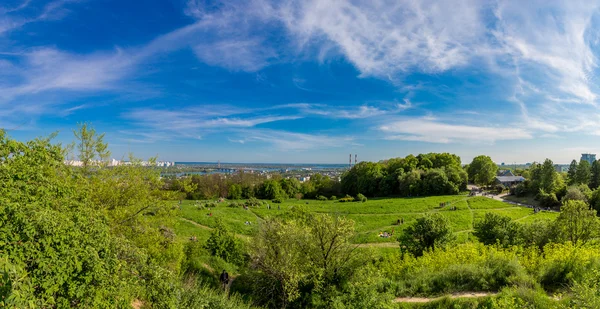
point(271, 189)
point(571, 174)
point(545, 177)
point(409, 182)
point(291, 186)
point(297, 257)
point(482, 170)
point(91, 146)
point(584, 173)
point(577, 222)
point(496, 228)
point(427, 233)
point(595, 179)
point(435, 182)
point(234, 192)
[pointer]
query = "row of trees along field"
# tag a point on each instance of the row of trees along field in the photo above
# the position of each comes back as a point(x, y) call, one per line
point(422, 175)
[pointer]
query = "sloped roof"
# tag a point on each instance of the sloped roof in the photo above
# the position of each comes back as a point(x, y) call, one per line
point(505, 173)
point(510, 178)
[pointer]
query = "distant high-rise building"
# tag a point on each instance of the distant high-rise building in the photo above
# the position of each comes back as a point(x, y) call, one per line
point(590, 157)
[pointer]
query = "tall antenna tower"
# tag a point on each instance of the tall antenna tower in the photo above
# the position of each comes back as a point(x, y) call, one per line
point(350, 161)
point(355, 158)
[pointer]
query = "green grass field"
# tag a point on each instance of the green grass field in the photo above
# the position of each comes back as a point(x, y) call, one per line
point(371, 217)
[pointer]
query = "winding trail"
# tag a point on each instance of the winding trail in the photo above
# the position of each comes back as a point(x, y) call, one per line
point(453, 296)
point(210, 228)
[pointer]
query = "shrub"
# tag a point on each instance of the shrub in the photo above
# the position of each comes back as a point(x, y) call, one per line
point(520, 190)
point(538, 233)
point(467, 267)
point(321, 198)
point(564, 264)
point(547, 199)
point(253, 202)
point(361, 198)
point(497, 228)
point(427, 233)
point(277, 200)
point(222, 243)
point(346, 199)
point(333, 198)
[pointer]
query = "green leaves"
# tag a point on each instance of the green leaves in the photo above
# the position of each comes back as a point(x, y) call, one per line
point(427, 233)
point(482, 170)
point(222, 243)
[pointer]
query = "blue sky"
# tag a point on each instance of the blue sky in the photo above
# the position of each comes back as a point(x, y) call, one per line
point(306, 81)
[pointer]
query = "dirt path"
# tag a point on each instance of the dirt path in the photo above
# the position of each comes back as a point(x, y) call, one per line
point(380, 245)
point(196, 224)
point(455, 295)
point(209, 228)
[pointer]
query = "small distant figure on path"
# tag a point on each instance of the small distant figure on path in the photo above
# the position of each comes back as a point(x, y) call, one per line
point(278, 207)
point(224, 279)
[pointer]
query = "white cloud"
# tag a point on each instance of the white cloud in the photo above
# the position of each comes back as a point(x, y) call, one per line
point(236, 54)
point(348, 112)
point(196, 121)
point(437, 132)
point(10, 20)
point(291, 141)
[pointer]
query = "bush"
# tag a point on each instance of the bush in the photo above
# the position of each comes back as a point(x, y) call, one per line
point(520, 190)
point(361, 198)
point(427, 233)
point(253, 202)
point(278, 200)
point(222, 243)
point(468, 267)
point(333, 198)
point(538, 233)
point(321, 198)
point(547, 199)
point(564, 264)
point(497, 228)
point(346, 199)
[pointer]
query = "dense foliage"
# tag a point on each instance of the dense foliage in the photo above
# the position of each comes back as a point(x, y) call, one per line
point(85, 238)
point(427, 233)
point(425, 174)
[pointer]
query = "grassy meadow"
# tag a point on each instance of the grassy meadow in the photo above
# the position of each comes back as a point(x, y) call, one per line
point(371, 217)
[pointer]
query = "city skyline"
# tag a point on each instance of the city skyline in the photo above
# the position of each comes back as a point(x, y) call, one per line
point(306, 81)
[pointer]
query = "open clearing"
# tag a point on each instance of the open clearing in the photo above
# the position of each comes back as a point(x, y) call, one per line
point(371, 217)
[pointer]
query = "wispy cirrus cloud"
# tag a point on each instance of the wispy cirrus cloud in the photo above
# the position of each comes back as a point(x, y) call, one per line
point(425, 130)
point(348, 112)
point(293, 141)
point(545, 51)
point(196, 121)
point(11, 19)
